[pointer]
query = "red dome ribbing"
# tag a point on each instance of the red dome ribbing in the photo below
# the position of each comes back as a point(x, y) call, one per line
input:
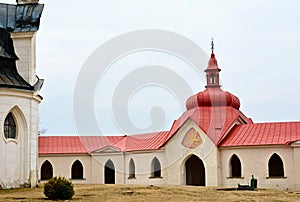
point(213, 97)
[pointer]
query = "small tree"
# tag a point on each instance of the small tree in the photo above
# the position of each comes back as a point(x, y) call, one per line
point(59, 188)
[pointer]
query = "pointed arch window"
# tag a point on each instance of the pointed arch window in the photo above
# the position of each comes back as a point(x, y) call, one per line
point(275, 165)
point(46, 170)
point(77, 170)
point(155, 168)
point(235, 166)
point(10, 128)
point(131, 169)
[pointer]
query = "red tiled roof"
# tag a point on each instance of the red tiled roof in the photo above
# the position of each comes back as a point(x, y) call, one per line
point(282, 133)
point(214, 121)
point(150, 141)
point(60, 144)
point(92, 143)
point(87, 144)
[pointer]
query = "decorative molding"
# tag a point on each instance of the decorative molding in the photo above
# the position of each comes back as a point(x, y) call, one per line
point(192, 139)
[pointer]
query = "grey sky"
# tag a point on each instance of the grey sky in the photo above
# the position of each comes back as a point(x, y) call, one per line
point(256, 44)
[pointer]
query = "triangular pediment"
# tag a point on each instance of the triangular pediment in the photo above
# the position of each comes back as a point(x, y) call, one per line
point(189, 135)
point(107, 149)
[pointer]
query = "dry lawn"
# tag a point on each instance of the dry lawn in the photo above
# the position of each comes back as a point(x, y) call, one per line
point(152, 193)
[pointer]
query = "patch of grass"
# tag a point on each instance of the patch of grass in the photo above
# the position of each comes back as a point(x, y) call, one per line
point(151, 193)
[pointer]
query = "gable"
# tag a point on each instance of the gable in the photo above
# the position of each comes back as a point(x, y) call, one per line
point(214, 121)
point(198, 143)
point(188, 137)
point(108, 149)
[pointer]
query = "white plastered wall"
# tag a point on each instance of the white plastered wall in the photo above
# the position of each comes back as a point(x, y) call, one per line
point(19, 156)
point(177, 155)
point(142, 161)
point(172, 160)
point(62, 165)
point(25, 45)
point(254, 161)
point(296, 159)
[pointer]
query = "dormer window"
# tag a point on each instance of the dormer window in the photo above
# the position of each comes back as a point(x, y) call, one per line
point(10, 129)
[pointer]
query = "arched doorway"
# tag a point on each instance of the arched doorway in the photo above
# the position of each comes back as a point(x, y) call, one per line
point(46, 171)
point(109, 172)
point(194, 171)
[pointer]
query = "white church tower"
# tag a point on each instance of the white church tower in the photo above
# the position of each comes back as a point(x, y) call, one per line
point(19, 98)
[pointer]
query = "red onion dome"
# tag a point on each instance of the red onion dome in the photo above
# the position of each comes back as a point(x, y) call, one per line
point(212, 97)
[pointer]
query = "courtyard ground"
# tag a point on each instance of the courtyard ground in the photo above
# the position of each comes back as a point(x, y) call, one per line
point(152, 193)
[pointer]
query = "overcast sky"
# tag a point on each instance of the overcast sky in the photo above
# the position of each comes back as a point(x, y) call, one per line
point(256, 44)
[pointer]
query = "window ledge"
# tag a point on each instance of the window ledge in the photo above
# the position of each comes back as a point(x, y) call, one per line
point(276, 177)
point(131, 178)
point(155, 177)
point(40, 180)
point(235, 177)
point(7, 140)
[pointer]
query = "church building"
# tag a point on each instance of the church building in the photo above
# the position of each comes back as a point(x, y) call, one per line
point(19, 98)
point(211, 144)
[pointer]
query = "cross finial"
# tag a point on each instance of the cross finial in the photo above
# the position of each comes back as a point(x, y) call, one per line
point(212, 45)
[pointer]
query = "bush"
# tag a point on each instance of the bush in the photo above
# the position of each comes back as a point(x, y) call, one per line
point(59, 188)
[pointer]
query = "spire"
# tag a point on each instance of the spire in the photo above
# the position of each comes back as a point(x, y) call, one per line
point(212, 46)
point(212, 70)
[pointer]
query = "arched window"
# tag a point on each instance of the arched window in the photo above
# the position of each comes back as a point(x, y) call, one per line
point(77, 170)
point(212, 79)
point(10, 129)
point(46, 171)
point(131, 169)
point(155, 168)
point(275, 166)
point(109, 172)
point(235, 166)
